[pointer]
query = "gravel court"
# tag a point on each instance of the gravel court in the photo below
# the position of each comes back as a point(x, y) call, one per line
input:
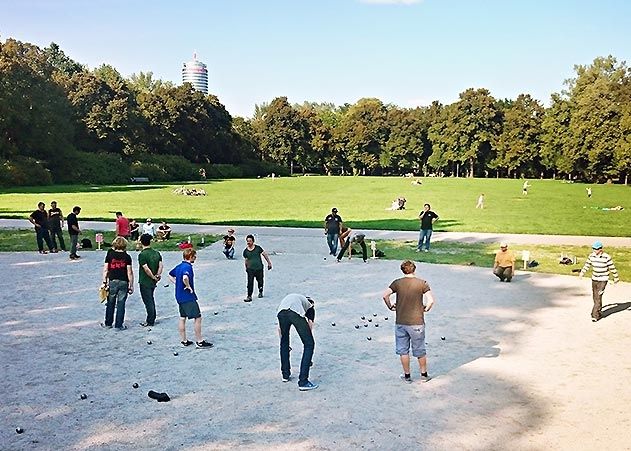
point(521, 365)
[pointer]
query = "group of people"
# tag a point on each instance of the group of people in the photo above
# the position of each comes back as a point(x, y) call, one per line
point(49, 225)
point(337, 233)
point(131, 230)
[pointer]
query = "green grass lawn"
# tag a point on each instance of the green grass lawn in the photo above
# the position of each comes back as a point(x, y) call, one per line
point(551, 207)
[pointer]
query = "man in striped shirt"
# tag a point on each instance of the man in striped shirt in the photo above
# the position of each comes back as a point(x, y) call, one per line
point(602, 265)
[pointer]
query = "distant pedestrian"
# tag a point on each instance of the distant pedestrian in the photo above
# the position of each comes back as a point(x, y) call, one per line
point(73, 230)
point(150, 268)
point(183, 278)
point(480, 203)
point(589, 192)
point(164, 231)
point(602, 265)
point(332, 228)
point(134, 230)
point(39, 219)
point(149, 228)
point(228, 244)
point(524, 188)
point(254, 266)
point(427, 218)
point(295, 310)
point(118, 276)
point(504, 263)
point(56, 224)
point(122, 225)
point(410, 310)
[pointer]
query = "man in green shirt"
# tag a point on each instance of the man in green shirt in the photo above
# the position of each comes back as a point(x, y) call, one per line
point(150, 263)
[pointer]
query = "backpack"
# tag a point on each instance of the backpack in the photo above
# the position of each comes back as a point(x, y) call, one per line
point(86, 243)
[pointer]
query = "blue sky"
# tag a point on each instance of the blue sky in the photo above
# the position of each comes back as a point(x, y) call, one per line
point(404, 52)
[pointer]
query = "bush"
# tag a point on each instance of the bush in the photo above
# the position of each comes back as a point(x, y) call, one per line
point(223, 171)
point(163, 168)
point(92, 168)
point(22, 171)
point(255, 168)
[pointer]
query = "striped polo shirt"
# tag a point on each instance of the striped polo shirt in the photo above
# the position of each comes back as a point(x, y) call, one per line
point(601, 265)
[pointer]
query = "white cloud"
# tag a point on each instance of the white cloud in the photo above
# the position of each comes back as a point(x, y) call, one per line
point(391, 2)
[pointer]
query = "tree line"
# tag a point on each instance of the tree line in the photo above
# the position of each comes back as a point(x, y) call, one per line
point(61, 122)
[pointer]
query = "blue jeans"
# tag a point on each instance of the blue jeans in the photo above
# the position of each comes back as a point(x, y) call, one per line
point(332, 240)
point(146, 293)
point(425, 236)
point(41, 235)
point(117, 297)
point(229, 253)
point(287, 318)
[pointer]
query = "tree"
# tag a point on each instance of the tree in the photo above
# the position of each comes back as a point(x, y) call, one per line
point(596, 98)
point(518, 146)
point(363, 133)
point(407, 141)
point(556, 148)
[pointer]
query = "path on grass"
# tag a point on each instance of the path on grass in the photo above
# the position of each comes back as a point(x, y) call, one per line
point(460, 237)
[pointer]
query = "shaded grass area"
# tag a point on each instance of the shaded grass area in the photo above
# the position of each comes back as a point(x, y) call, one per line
point(551, 207)
point(23, 240)
point(483, 255)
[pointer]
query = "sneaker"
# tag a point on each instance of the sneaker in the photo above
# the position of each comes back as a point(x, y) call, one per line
point(248, 299)
point(405, 379)
point(426, 250)
point(145, 325)
point(417, 250)
point(308, 386)
point(287, 379)
point(260, 294)
point(43, 252)
point(77, 256)
point(186, 343)
point(105, 326)
point(594, 320)
point(203, 345)
point(426, 378)
point(123, 327)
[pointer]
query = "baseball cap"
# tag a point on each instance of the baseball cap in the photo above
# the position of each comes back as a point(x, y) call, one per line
point(597, 245)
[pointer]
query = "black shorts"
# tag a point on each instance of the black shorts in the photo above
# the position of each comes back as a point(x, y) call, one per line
point(190, 310)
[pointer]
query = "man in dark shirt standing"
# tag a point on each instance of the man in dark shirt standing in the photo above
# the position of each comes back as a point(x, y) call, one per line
point(332, 227)
point(427, 217)
point(39, 218)
point(410, 321)
point(73, 231)
point(56, 224)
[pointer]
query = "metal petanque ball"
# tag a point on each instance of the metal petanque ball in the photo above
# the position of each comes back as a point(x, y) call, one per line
point(365, 325)
point(363, 317)
point(19, 430)
point(356, 326)
point(442, 338)
point(84, 396)
point(376, 325)
point(370, 320)
point(333, 324)
point(149, 342)
point(175, 353)
point(374, 314)
point(368, 338)
point(386, 318)
point(135, 385)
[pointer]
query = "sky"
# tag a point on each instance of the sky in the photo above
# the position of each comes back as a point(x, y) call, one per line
point(404, 52)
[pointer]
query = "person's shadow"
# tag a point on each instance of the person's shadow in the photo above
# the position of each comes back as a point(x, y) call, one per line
point(616, 307)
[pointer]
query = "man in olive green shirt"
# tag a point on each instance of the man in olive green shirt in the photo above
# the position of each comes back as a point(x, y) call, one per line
point(150, 263)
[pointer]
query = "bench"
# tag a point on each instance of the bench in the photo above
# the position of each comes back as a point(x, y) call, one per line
point(139, 179)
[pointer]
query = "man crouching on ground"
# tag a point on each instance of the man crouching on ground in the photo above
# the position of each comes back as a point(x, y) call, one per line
point(410, 322)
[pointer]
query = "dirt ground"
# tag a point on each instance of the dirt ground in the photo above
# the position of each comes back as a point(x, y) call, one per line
point(521, 366)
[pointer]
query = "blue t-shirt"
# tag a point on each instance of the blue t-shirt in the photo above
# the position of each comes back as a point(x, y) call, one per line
point(183, 296)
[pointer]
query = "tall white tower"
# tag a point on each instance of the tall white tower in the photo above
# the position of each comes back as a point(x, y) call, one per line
point(196, 73)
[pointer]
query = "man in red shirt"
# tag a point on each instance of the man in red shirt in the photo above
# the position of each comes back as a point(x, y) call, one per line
point(122, 225)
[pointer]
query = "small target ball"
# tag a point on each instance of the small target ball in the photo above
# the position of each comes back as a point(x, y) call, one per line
point(442, 338)
point(135, 385)
point(19, 430)
point(84, 396)
point(325, 258)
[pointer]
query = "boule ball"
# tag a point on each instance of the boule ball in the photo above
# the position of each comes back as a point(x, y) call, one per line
point(135, 385)
point(84, 396)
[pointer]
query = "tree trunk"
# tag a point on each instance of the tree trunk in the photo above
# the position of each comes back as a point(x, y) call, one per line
point(471, 167)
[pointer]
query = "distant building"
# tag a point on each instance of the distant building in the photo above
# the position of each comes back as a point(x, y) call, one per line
point(195, 73)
